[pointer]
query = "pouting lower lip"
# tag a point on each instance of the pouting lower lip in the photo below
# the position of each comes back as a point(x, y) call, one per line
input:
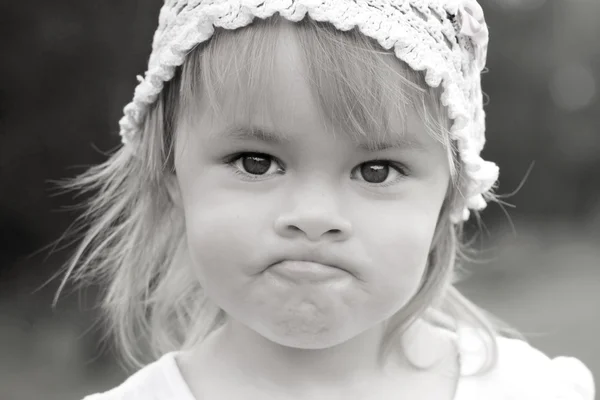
point(306, 270)
point(309, 261)
point(299, 260)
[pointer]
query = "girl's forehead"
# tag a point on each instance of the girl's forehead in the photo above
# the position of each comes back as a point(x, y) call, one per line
point(287, 110)
point(276, 91)
point(288, 116)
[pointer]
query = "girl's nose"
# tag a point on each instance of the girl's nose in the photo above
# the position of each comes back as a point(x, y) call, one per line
point(315, 225)
point(316, 218)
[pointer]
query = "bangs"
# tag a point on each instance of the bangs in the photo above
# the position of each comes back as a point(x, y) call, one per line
point(361, 89)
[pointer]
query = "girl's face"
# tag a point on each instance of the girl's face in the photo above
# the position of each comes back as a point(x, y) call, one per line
point(357, 221)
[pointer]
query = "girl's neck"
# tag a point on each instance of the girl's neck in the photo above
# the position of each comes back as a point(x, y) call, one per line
point(256, 357)
point(236, 356)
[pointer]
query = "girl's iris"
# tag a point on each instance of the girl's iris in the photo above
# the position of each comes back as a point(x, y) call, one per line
point(256, 165)
point(375, 172)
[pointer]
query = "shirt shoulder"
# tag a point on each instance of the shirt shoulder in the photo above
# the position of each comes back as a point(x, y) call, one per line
point(522, 373)
point(160, 380)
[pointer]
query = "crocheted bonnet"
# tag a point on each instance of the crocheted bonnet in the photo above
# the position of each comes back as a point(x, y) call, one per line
point(446, 39)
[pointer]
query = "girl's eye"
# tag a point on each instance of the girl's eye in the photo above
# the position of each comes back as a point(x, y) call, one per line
point(254, 164)
point(258, 165)
point(378, 172)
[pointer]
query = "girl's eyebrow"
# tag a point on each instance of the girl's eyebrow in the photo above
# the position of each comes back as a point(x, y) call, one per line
point(399, 142)
point(257, 133)
point(254, 133)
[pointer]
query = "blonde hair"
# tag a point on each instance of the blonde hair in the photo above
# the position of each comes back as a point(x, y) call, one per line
point(134, 235)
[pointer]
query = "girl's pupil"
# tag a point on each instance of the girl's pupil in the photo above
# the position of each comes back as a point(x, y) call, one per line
point(374, 172)
point(256, 165)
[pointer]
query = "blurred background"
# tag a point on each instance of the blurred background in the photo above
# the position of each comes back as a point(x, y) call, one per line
point(68, 67)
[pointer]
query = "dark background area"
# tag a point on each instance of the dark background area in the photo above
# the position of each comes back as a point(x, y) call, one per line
point(67, 68)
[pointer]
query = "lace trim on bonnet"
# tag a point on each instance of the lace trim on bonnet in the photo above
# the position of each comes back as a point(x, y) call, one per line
point(445, 38)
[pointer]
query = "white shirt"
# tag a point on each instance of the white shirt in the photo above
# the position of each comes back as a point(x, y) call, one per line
point(522, 373)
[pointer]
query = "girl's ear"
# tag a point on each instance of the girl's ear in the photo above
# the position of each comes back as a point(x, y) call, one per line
point(173, 189)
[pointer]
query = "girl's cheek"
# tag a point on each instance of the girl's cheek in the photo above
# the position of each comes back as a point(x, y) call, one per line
point(404, 236)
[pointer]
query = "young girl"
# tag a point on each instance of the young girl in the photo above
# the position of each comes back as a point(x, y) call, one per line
point(284, 218)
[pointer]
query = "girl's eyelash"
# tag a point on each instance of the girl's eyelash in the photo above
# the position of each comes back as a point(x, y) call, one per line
point(400, 168)
point(231, 160)
point(401, 175)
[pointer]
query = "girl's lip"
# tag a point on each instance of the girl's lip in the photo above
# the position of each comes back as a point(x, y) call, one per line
point(348, 264)
point(307, 271)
